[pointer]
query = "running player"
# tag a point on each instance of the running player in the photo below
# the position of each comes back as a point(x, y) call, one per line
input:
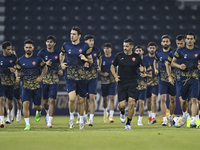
point(128, 62)
point(164, 86)
point(108, 84)
point(77, 53)
point(30, 65)
point(189, 57)
point(92, 76)
point(152, 85)
point(51, 78)
point(7, 62)
point(142, 83)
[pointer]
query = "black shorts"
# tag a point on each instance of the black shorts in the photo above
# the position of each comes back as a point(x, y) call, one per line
point(126, 90)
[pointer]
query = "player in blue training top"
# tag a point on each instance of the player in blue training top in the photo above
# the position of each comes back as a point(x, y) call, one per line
point(164, 86)
point(91, 77)
point(51, 78)
point(77, 53)
point(30, 66)
point(142, 83)
point(7, 62)
point(174, 73)
point(152, 85)
point(108, 84)
point(188, 57)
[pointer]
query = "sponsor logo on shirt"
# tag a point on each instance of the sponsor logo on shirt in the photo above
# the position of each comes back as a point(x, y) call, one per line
point(56, 57)
point(95, 54)
point(33, 62)
point(11, 61)
point(195, 55)
point(80, 50)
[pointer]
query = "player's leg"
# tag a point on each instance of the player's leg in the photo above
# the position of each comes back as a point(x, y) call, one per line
point(121, 107)
point(154, 91)
point(78, 116)
point(197, 115)
point(131, 104)
point(17, 96)
point(45, 94)
point(112, 92)
point(194, 109)
point(9, 106)
point(2, 111)
point(86, 109)
point(141, 97)
point(36, 98)
point(105, 93)
point(26, 114)
point(149, 103)
point(172, 103)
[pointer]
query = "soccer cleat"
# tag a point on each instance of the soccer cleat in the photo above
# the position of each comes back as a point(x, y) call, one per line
point(170, 122)
point(164, 123)
point(193, 125)
point(90, 123)
point(28, 127)
point(105, 118)
point(153, 120)
point(49, 126)
point(81, 126)
point(18, 117)
point(139, 123)
point(127, 127)
point(8, 121)
point(197, 123)
point(122, 118)
point(2, 125)
point(111, 120)
point(183, 120)
point(71, 124)
point(188, 123)
point(149, 120)
point(77, 121)
point(37, 117)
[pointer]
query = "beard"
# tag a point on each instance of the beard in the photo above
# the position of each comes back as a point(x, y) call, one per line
point(29, 53)
point(127, 51)
point(166, 46)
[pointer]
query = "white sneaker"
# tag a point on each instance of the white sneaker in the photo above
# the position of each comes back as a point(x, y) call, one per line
point(170, 122)
point(183, 120)
point(90, 123)
point(81, 126)
point(122, 118)
point(18, 117)
point(164, 123)
point(127, 127)
point(49, 125)
point(71, 124)
point(8, 121)
point(139, 123)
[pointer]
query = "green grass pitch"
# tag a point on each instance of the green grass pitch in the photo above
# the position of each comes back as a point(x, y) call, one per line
point(99, 137)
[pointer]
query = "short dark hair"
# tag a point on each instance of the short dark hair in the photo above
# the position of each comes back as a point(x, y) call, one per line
point(165, 36)
point(190, 33)
point(129, 40)
point(109, 45)
point(151, 44)
point(29, 41)
point(138, 46)
point(51, 37)
point(6, 44)
point(180, 37)
point(87, 37)
point(77, 29)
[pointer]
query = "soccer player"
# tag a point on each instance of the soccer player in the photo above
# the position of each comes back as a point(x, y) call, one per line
point(31, 66)
point(128, 62)
point(51, 78)
point(92, 76)
point(142, 83)
point(152, 85)
point(174, 74)
point(7, 62)
point(77, 53)
point(108, 84)
point(164, 86)
point(188, 57)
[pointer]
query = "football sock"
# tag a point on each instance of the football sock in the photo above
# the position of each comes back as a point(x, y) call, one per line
point(140, 118)
point(153, 115)
point(71, 115)
point(164, 119)
point(123, 112)
point(27, 121)
point(81, 119)
point(91, 116)
point(111, 113)
point(150, 113)
point(128, 121)
point(105, 111)
point(2, 119)
point(50, 119)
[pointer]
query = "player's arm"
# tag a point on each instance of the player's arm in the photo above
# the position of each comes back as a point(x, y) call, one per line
point(88, 59)
point(44, 71)
point(112, 69)
point(62, 58)
point(99, 64)
point(168, 70)
point(175, 65)
point(155, 65)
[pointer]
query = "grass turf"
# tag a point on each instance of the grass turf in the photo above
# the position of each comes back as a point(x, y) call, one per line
point(100, 136)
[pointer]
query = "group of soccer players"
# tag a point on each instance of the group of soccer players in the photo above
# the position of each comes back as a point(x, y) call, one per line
point(135, 78)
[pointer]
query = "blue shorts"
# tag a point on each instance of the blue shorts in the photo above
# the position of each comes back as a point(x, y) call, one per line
point(178, 88)
point(17, 93)
point(141, 94)
point(79, 86)
point(190, 89)
point(92, 86)
point(7, 91)
point(34, 95)
point(167, 88)
point(109, 89)
point(150, 90)
point(49, 91)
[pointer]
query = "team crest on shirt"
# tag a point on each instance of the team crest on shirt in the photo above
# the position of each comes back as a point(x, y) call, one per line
point(95, 54)
point(195, 55)
point(133, 59)
point(33, 63)
point(185, 56)
point(46, 57)
point(56, 57)
point(80, 50)
point(11, 61)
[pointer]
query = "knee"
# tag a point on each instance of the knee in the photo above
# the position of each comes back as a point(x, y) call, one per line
point(141, 103)
point(112, 98)
point(72, 100)
point(92, 100)
point(131, 102)
point(81, 100)
point(163, 99)
point(26, 104)
point(52, 101)
point(121, 105)
point(37, 107)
